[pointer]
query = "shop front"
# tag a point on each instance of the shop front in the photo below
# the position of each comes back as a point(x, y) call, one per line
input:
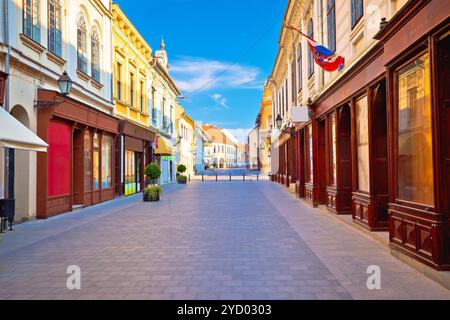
point(165, 156)
point(378, 145)
point(418, 69)
point(134, 152)
point(77, 170)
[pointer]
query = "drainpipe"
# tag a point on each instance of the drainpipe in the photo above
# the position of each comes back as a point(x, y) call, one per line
point(9, 152)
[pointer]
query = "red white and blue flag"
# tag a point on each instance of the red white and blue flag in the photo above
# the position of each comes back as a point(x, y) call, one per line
point(323, 56)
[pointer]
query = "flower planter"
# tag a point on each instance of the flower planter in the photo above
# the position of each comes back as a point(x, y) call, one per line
point(148, 198)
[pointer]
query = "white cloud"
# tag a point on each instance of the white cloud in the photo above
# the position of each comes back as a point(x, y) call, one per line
point(240, 134)
point(220, 100)
point(200, 74)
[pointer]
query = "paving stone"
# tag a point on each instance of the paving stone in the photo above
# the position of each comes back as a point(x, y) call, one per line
point(208, 241)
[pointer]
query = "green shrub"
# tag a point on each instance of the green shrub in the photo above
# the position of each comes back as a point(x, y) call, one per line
point(153, 172)
point(181, 168)
point(153, 191)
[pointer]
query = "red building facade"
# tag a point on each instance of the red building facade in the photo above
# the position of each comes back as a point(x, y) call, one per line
point(78, 169)
point(376, 144)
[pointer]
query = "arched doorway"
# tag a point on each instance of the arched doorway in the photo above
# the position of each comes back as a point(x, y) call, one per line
point(222, 163)
point(22, 160)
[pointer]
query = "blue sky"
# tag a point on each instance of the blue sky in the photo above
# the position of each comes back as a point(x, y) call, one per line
point(203, 38)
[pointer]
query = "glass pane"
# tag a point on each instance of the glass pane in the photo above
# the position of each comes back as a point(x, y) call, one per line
point(310, 154)
point(96, 163)
point(96, 167)
point(130, 171)
point(87, 162)
point(415, 161)
point(362, 143)
point(107, 143)
point(333, 150)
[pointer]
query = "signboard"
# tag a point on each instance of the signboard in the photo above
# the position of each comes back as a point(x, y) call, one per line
point(300, 114)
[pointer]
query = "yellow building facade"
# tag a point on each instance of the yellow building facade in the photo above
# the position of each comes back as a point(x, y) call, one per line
point(132, 57)
point(265, 127)
point(185, 140)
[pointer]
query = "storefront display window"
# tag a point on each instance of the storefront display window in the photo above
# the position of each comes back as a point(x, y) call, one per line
point(362, 144)
point(414, 157)
point(107, 143)
point(96, 162)
point(309, 153)
point(333, 164)
point(130, 172)
point(87, 162)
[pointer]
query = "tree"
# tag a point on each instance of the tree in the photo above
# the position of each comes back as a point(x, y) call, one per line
point(153, 172)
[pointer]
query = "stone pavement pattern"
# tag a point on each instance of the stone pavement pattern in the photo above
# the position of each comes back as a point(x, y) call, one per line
point(202, 241)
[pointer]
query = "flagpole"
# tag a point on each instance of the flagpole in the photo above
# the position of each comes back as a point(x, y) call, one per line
point(295, 29)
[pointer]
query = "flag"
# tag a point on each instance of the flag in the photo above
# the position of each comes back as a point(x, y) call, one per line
point(323, 56)
point(326, 58)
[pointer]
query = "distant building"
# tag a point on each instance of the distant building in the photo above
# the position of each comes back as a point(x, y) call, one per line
point(253, 149)
point(221, 152)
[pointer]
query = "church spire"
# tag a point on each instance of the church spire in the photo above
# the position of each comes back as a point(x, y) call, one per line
point(163, 45)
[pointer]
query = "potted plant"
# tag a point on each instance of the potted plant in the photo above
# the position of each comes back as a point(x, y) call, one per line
point(153, 172)
point(181, 178)
point(151, 193)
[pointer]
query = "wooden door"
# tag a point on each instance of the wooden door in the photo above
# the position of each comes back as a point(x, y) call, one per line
point(322, 163)
point(345, 159)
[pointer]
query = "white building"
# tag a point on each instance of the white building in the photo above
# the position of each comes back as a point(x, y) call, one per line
point(223, 150)
point(45, 39)
point(164, 93)
point(201, 138)
point(253, 148)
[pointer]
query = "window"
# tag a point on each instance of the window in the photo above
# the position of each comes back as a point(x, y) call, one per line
point(414, 154)
point(331, 25)
point(130, 172)
point(362, 143)
point(294, 78)
point(286, 87)
point(118, 81)
point(31, 25)
point(299, 67)
point(141, 100)
point(153, 106)
point(333, 158)
point(357, 11)
point(95, 55)
point(163, 110)
point(82, 44)
point(170, 118)
point(54, 28)
point(132, 89)
point(87, 162)
point(107, 145)
point(310, 53)
point(309, 152)
point(96, 163)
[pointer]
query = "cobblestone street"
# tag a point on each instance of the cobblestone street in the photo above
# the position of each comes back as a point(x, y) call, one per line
point(224, 240)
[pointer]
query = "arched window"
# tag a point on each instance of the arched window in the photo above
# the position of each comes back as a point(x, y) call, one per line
point(31, 25)
point(299, 68)
point(331, 25)
point(357, 11)
point(54, 27)
point(310, 54)
point(95, 55)
point(81, 44)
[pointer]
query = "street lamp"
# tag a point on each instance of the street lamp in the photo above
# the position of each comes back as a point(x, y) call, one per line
point(279, 121)
point(65, 84)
